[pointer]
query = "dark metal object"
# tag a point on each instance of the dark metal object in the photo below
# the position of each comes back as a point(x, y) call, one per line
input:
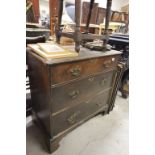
point(77, 35)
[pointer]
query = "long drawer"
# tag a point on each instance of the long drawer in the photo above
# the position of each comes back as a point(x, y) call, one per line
point(75, 92)
point(80, 112)
point(65, 72)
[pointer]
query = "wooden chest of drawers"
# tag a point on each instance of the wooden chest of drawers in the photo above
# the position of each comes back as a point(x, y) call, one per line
point(66, 92)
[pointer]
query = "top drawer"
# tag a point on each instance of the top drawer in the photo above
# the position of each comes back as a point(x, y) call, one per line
point(69, 71)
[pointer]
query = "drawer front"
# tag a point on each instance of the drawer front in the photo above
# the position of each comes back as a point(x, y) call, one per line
point(79, 113)
point(65, 72)
point(77, 91)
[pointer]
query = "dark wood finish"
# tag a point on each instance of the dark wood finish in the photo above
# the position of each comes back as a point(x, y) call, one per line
point(29, 12)
point(74, 70)
point(53, 7)
point(60, 4)
point(116, 86)
point(85, 12)
point(107, 19)
point(84, 36)
point(61, 102)
point(36, 11)
point(89, 15)
point(30, 40)
point(77, 28)
point(40, 90)
point(79, 112)
point(75, 92)
point(77, 36)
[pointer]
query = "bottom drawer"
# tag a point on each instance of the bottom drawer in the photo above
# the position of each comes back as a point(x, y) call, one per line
point(78, 113)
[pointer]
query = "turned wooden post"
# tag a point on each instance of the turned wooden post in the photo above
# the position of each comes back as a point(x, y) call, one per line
point(77, 28)
point(107, 20)
point(89, 15)
point(53, 7)
point(58, 24)
point(36, 10)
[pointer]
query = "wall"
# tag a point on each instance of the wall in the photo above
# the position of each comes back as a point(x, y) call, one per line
point(44, 7)
point(116, 4)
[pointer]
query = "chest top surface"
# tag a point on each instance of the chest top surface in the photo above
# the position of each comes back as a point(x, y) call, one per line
point(84, 54)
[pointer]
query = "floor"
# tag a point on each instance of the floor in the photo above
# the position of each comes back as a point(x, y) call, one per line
point(101, 135)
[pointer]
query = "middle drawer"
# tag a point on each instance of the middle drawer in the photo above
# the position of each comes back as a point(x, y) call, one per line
point(70, 94)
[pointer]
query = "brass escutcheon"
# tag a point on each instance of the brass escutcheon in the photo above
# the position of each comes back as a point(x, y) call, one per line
point(73, 118)
point(75, 71)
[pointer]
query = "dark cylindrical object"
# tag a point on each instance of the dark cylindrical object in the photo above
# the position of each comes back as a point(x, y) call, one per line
point(77, 28)
point(58, 26)
point(34, 40)
point(89, 15)
point(60, 11)
point(107, 20)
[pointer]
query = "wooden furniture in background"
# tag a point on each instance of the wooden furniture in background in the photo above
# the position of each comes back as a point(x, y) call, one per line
point(85, 13)
point(100, 15)
point(119, 16)
point(53, 7)
point(121, 43)
point(81, 38)
point(67, 92)
point(36, 11)
point(125, 8)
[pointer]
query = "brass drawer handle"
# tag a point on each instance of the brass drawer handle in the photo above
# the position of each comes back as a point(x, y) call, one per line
point(107, 64)
point(74, 94)
point(75, 71)
point(91, 79)
point(73, 118)
point(102, 83)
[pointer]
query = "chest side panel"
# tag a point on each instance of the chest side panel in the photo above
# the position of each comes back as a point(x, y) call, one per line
point(40, 89)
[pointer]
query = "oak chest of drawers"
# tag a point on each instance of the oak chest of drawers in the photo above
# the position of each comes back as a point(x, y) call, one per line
point(67, 92)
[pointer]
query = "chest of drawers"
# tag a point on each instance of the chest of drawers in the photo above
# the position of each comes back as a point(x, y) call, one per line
point(67, 92)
